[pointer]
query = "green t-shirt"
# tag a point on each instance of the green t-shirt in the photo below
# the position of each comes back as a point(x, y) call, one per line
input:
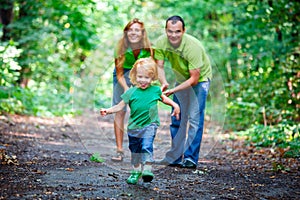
point(189, 55)
point(130, 59)
point(143, 106)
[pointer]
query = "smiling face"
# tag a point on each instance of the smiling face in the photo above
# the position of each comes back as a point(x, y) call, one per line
point(144, 71)
point(135, 33)
point(174, 31)
point(143, 78)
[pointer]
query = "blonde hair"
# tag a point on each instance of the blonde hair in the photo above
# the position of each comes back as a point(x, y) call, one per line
point(146, 63)
point(124, 43)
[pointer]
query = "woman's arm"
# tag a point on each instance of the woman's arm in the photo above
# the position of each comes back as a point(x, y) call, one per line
point(170, 102)
point(161, 75)
point(120, 75)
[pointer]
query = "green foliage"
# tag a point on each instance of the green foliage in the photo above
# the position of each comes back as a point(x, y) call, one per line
point(241, 114)
point(283, 135)
point(9, 67)
point(49, 42)
point(42, 101)
point(96, 157)
point(264, 65)
point(9, 104)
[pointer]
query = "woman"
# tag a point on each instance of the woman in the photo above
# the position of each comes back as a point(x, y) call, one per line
point(133, 45)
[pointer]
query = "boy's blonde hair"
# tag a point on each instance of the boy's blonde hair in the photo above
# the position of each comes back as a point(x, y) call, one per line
point(148, 64)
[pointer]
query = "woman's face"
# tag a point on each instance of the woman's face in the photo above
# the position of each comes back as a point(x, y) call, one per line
point(135, 33)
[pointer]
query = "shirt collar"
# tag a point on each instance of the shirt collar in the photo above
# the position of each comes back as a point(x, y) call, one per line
point(181, 46)
point(130, 51)
point(178, 50)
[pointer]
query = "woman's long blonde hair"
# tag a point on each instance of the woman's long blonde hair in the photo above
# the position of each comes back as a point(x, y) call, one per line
point(124, 43)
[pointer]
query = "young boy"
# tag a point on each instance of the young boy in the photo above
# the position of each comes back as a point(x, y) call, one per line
point(142, 99)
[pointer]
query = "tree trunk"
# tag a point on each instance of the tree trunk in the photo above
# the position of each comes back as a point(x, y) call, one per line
point(6, 16)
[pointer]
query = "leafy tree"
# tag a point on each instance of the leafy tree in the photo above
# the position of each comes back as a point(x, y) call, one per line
point(265, 75)
point(51, 40)
point(254, 45)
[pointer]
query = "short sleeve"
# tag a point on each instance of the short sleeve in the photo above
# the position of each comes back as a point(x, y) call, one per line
point(159, 49)
point(158, 92)
point(195, 58)
point(127, 95)
point(159, 54)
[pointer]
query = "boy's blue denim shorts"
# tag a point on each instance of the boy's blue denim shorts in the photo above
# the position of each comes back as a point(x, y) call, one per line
point(141, 144)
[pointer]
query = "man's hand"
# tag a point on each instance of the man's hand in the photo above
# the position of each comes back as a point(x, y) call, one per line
point(168, 92)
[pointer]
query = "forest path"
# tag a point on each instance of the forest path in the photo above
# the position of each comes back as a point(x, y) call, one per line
point(53, 162)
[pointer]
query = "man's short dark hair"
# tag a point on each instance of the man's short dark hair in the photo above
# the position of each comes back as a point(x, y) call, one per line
point(175, 19)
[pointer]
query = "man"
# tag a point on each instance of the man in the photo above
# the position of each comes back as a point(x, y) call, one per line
point(193, 72)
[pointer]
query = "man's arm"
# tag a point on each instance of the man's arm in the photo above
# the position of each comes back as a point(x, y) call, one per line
point(193, 80)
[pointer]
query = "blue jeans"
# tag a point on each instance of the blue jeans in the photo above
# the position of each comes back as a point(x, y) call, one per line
point(192, 104)
point(141, 144)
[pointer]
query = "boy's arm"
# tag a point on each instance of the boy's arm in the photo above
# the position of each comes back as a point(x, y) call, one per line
point(170, 102)
point(114, 109)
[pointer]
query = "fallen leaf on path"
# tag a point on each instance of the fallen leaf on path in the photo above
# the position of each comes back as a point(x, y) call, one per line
point(96, 158)
point(69, 169)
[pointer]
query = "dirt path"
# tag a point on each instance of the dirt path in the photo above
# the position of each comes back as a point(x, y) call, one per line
point(52, 162)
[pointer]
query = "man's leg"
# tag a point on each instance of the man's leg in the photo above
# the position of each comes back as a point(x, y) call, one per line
point(196, 120)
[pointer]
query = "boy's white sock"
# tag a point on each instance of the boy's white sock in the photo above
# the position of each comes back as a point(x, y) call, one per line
point(147, 167)
point(139, 168)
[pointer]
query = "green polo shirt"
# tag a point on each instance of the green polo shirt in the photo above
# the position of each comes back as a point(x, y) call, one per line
point(189, 55)
point(130, 59)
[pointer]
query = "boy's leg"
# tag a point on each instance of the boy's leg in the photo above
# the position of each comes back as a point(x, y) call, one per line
point(136, 173)
point(147, 174)
point(147, 152)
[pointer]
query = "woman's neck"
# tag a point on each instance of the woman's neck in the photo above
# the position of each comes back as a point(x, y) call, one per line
point(136, 46)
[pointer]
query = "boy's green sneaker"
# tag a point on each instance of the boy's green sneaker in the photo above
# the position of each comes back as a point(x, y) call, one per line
point(147, 176)
point(134, 177)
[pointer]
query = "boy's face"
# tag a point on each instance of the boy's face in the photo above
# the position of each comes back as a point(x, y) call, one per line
point(142, 78)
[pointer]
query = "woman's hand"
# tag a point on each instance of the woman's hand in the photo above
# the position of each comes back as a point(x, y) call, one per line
point(164, 86)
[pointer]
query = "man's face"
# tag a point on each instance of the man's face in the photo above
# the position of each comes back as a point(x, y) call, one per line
point(174, 33)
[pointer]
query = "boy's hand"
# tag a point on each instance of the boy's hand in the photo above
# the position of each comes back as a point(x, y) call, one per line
point(176, 112)
point(103, 112)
